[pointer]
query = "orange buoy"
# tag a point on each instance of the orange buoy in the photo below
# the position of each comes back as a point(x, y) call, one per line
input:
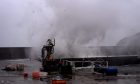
point(36, 75)
point(58, 82)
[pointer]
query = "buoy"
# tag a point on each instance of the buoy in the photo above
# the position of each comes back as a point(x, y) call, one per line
point(58, 82)
point(38, 75)
point(25, 75)
point(111, 71)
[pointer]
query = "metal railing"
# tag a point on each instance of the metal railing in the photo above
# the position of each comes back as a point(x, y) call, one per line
point(74, 68)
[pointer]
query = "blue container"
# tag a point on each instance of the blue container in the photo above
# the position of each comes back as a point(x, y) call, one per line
point(111, 71)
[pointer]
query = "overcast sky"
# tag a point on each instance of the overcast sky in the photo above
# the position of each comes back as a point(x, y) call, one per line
point(81, 22)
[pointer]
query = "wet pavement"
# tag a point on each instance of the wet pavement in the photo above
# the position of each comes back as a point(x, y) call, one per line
point(81, 76)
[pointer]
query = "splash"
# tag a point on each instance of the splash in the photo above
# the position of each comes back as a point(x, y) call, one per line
point(76, 25)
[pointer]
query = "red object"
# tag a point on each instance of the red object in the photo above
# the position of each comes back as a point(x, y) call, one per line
point(36, 75)
point(25, 75)
point(58, 82)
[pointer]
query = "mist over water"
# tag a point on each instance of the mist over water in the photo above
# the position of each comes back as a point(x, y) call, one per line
point(75, 24)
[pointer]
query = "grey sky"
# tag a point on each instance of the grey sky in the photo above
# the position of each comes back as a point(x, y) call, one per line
point(26, 23)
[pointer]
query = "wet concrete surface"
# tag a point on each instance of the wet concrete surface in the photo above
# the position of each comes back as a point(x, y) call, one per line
point(80, 77)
